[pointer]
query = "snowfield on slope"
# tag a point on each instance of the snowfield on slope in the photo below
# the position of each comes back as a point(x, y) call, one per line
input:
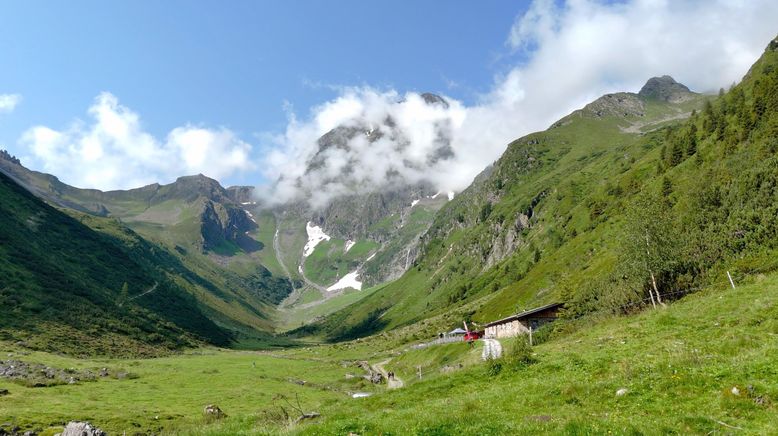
point(315, 236)
point(349, 244)
point(350, 280)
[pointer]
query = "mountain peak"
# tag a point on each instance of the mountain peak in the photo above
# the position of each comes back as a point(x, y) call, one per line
point(430, 98)
point(664, 88)
point(5, 155)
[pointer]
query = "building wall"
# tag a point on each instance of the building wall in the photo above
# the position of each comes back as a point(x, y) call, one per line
point(516, 327)
point(506, 330)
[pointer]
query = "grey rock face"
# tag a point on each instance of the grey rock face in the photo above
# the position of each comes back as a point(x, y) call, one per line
point(621, 104)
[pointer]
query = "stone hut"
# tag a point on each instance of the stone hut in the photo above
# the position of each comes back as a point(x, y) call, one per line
point(515, 325)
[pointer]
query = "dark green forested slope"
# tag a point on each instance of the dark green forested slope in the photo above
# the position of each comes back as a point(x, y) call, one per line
point(65, 287)
point(564, 214)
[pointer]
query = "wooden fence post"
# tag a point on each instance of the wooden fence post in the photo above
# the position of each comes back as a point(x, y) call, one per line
point(731, 282)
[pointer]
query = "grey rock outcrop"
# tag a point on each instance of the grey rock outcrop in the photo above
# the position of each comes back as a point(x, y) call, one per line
point(75, 428)
point(665, 88)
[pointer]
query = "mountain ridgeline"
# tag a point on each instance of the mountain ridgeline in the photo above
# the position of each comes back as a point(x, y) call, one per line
point(195, 237)
point(565, 214)
point(68, 288)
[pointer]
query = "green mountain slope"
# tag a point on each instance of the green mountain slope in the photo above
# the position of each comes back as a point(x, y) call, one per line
point(550, 219)
point(65, 287)
point(207, 231)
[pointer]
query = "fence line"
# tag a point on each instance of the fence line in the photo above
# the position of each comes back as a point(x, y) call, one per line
point(444, 340)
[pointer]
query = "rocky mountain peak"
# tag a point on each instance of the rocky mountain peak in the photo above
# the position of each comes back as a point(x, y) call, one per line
point(4, 155)
point(430, 98)
point(191, 187)
point(664, 88)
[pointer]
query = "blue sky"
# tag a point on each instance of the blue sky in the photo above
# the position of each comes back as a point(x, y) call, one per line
point(234, 64)
point(120, 94)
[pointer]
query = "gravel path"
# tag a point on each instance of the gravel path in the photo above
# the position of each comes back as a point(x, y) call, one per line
point(391, 383)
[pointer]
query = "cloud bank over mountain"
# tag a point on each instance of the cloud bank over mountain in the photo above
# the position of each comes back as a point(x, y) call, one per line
point(572, 54)
point(559, 57)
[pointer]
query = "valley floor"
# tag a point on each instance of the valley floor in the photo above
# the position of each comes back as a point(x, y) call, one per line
point(707, 364)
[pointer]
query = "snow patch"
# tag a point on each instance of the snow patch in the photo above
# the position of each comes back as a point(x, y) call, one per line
point(300, 268)
point(371, 256)
point(414, 203)
point(350, 280)
point(249, 202)
point(436, 195)
point(315, 235)
point(251, 217)
point(450, 195)
point(349, 244)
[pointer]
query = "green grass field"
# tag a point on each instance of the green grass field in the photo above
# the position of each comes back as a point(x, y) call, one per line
point(678, 364)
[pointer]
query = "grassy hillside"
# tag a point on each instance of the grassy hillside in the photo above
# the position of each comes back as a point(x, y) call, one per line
point(203, 240)
point(557, 216)
point(678, 364)
point(65, 287)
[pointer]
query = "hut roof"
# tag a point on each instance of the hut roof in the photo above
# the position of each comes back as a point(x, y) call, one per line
point(525, 314)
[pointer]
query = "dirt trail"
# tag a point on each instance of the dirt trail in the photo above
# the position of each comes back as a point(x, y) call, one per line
point(638, 126)
point(391, 383)
point(147, 291)
point(295, 294)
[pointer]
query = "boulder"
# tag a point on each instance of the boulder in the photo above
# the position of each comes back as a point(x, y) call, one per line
point(213, 411)
point(75, 428)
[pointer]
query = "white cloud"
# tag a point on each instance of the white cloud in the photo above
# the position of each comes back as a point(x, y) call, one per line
point(571, 54)
point(8, 102)
point(114, 152)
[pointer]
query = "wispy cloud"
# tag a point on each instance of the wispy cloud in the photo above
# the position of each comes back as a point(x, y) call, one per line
point(8, 102)
point(112, 151)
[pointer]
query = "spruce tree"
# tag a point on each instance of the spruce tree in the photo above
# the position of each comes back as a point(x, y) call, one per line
point(691, 140)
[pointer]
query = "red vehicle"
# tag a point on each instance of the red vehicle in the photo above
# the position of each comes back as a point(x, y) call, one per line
point(470, 336)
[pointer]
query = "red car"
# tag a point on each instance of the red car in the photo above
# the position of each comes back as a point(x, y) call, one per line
point(472, 336)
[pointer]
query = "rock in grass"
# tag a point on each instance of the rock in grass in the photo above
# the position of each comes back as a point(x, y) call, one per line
point(75, 428)
point(213, 411)
point(735, 391)
point(621, 392)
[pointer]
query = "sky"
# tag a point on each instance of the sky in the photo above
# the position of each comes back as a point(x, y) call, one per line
point(120, 94)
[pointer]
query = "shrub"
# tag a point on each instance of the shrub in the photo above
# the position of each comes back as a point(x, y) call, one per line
point(518, 352)
point(493, 367)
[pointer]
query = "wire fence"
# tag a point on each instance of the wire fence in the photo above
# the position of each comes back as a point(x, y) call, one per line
point(448, 339)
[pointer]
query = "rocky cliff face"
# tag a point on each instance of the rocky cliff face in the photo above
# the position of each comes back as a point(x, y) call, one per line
point(222, 223)
point(393, 215)
point(356, 216)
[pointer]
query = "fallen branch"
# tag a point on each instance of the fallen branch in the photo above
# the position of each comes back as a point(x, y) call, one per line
point(727, 425)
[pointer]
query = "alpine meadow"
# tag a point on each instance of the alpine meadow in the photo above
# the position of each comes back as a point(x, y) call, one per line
point(572, 228)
